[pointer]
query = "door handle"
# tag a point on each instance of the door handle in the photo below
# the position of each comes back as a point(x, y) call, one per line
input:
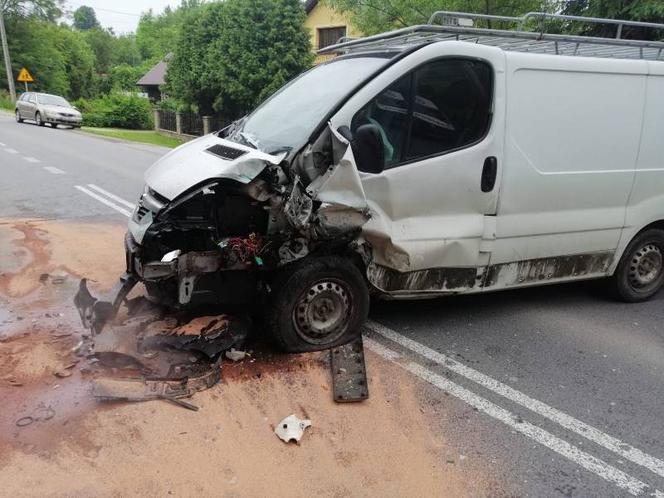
point(489, 172)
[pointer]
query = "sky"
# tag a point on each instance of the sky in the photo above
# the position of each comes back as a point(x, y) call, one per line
point(121, 15)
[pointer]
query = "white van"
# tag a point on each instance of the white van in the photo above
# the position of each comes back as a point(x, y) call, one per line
point(412, 169)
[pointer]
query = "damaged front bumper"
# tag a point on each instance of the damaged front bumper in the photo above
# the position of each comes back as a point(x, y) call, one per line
point(95, 313)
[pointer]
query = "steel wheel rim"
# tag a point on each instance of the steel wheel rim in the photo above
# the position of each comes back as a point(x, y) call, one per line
point(322, 312)
point(645, 268)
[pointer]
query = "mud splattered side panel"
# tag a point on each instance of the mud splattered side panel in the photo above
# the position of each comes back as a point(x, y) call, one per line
point(434, 279)
point(547, 269)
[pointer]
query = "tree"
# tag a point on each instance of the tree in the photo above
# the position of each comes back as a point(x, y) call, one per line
point(632, 10)
point(157, 35)
point(85, 18)
point(32, 45)
point(376, 16)
point(125, 50)
point(78, 62)
point(48, 10)
point(102, 43)
point(232, 55)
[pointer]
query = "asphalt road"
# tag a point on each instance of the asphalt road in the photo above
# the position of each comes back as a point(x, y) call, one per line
point(557, 390)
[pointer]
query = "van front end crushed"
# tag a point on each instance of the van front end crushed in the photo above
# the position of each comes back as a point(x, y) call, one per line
point(222, 240)
point(232, 241)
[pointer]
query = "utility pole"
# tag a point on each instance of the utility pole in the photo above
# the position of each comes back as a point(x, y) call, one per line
point(8, 63)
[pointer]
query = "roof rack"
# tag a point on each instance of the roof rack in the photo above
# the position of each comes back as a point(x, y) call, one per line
point(463, 26)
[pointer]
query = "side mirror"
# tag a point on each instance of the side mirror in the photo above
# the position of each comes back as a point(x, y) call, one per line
point(368, 149)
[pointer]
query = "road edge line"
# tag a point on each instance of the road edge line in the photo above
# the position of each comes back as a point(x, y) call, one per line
point(591, 433)
point(589, 462)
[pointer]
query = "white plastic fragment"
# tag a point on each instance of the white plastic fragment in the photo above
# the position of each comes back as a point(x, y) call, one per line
point(291, 428)
point(170, 256)
point(235, 355)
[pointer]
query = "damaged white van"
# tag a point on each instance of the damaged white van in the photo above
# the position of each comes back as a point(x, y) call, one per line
point(412, 169)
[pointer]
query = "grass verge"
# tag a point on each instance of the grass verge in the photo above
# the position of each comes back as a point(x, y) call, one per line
point(142, 136)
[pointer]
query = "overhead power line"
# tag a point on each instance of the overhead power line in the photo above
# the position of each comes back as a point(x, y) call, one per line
point(133, 14)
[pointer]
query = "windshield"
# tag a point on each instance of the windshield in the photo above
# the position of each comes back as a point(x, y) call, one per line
point(286, 119)
point(52, 100)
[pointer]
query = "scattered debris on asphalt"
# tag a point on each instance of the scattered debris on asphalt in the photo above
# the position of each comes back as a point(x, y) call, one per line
point(154, 353)
point(291, 428)
point(42, 414)
point(235, 355)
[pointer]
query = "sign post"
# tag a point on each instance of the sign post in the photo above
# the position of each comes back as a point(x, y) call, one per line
point(25, 77)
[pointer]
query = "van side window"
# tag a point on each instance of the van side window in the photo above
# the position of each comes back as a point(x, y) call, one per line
point(442, 106)
point(389, 111)
point(452, 106)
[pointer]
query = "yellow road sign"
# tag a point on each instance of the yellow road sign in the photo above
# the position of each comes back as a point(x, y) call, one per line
point(24, 76)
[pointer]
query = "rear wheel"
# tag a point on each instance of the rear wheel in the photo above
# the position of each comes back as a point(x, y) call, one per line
point(640, 273)
point(19, 119)
point(317, 303)
point(38, 119)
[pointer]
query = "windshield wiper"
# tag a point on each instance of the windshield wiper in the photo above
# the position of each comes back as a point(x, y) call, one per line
point(249, 139)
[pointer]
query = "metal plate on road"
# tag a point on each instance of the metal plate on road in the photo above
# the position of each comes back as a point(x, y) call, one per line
point(349, 373)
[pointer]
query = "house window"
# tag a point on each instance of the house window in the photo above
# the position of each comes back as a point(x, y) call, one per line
point(330, 36)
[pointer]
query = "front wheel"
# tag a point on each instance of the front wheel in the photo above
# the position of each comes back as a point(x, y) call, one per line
point(19, 119)
point(316, 304)
point(640, 273)
point(38, 119)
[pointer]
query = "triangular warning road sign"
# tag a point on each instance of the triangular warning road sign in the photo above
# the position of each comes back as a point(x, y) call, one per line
point(24, 76)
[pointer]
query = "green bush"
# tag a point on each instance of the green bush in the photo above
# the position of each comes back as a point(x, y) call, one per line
point(117, 111)
point(6, 101)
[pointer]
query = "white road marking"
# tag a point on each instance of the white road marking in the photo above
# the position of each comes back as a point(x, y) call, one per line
point(568, 422)
point(10, 151)
point(104, 200)
point(54, 170)
point(587, 461)
point(31, 159)
point(112, 196)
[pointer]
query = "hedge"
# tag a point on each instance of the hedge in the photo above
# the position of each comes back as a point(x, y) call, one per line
point(117, 110)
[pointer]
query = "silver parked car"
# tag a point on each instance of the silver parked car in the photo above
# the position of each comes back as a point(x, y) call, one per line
point(44, 108)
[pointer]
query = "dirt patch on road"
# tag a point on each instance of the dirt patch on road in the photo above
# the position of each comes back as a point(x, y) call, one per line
point(56, 441)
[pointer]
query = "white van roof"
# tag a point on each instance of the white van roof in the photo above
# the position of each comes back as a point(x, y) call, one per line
point(530, 35)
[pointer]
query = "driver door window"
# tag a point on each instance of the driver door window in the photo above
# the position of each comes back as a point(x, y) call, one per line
point(388, 111)
point(440, 107)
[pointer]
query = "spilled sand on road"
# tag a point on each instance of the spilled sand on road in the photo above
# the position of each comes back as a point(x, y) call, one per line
point(385, 446)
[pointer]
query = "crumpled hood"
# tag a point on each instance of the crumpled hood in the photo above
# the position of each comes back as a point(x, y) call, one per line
point(205, 158)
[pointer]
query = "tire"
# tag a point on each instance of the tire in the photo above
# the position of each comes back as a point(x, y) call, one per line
point(316, 304)
point(38, 119)
point(19, 119)
point(640, 273)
